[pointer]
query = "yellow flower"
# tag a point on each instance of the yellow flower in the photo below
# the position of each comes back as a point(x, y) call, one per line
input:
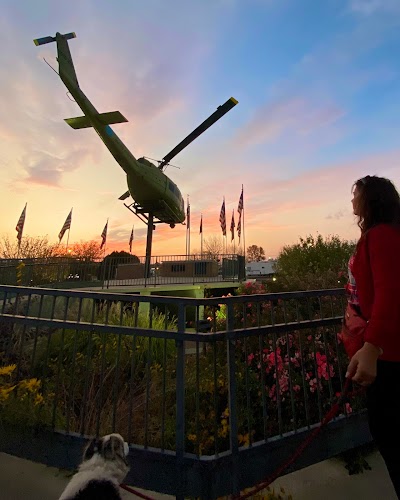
point(244, 439)
point(38, 399)
point(5, 392)
point(226, 412)
point(192, 437)
point(7, 370)
point(31, 385)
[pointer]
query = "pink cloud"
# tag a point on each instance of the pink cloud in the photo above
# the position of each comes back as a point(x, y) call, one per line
point(296, 116)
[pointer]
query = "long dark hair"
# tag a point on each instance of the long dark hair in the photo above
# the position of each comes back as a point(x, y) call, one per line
point(378, 202)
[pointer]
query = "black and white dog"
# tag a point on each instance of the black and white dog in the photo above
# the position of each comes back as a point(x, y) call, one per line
point(103, 468)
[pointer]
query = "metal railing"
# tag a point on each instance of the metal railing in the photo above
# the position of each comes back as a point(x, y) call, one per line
point(62, 272)
point(194, 385)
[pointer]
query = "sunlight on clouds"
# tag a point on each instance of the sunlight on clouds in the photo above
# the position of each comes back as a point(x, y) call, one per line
point(296, 116)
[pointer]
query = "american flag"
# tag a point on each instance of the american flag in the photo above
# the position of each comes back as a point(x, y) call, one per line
point(20, 224)
point(104, 236)
point(188, 216)
point(130, 242)
point(240, 205)
point(222, 218)
point(67, 225)
point(233, 226)
point(201, 224)
point(239, 226)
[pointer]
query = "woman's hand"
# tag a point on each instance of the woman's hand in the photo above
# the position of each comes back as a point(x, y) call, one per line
point(362, 366)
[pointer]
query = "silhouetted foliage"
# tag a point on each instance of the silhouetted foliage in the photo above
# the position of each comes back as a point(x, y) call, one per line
point(111, 261)
point(312, 264)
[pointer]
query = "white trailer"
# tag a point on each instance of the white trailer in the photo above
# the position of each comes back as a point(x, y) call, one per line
point(261, 268)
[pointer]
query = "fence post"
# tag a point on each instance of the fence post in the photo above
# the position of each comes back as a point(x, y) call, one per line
point(180, 404)
point(231, 358)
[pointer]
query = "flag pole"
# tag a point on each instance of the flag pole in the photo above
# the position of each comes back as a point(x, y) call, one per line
point(244, 237)
point(105, 241)
point(20, 228)
point(189, 235)
point(131, 239)
point(233, 231)
point(69, 230)
point(201, 238)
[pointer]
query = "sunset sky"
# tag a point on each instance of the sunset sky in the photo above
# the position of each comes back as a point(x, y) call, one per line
point(319, 106)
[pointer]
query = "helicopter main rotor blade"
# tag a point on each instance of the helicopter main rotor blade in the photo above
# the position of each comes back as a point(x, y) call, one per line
point(221, 111)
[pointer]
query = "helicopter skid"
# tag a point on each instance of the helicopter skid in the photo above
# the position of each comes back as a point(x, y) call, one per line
point(164, 218)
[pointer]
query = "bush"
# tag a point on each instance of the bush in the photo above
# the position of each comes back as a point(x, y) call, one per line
point(312, 264)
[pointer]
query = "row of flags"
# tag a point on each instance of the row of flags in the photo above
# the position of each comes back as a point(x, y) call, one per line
point(66, 227)
point(222, 218)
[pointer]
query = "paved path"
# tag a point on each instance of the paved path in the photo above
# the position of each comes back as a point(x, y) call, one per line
point(329, 480)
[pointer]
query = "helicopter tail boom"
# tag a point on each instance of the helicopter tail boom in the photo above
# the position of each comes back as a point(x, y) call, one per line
point(109, 118)
point(66, 66)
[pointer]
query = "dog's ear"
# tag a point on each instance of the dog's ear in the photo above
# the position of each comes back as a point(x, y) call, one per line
point(91, 448)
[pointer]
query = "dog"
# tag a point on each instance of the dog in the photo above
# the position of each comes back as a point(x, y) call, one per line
point(102, 470)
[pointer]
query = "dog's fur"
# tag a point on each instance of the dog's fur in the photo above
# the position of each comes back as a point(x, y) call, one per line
point(103, 468)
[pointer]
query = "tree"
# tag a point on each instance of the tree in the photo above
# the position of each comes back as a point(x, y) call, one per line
point(37, 247)
point(255, 253)
point(313, 263)
point(86, 251)
point(214, 246)
point(110, 262)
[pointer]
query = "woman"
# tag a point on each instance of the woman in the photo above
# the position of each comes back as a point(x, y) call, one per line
point(375, 288)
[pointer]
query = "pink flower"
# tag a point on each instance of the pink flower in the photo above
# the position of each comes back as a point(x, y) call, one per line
point(284, 381)
point(313, 384)
point(323, 367)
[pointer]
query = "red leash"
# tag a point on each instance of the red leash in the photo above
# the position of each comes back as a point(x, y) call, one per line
point(328, 417)
point(279, 471)
point(137, 493)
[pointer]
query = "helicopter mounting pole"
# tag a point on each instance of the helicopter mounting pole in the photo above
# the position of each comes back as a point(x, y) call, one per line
point(188, 229)
point(150, 229)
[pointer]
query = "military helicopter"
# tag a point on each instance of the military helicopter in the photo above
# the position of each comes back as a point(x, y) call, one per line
point(153, 192)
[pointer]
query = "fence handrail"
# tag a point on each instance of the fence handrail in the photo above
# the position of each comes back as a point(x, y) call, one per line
point(159, 299)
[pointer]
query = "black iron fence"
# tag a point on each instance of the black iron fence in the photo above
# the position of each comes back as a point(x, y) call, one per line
point(110, 272)
point(196, 386)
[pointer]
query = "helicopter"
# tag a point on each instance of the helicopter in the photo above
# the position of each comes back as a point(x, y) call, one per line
point(151, 190)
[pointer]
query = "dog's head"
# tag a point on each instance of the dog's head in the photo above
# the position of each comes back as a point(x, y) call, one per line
point(110, 448)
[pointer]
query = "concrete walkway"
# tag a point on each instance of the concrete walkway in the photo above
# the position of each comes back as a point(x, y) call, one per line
point(329, 480)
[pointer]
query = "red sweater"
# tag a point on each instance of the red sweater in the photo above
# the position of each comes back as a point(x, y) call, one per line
point(376, 270)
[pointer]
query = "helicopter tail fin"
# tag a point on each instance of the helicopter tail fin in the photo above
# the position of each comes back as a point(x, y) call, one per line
point(66, 66)
point(105, 119)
